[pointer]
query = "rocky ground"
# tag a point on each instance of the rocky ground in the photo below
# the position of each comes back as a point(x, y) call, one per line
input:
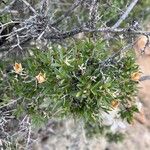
point(69, 135)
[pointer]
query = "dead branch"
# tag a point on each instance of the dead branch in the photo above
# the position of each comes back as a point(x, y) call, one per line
point(125, 14)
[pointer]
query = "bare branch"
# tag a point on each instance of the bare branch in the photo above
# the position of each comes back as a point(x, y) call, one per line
point(100, 30)
point(93, 14)
point(29, 6)
point(125, 15)
point(7, 8)
point(13, 102)
point(68, 12)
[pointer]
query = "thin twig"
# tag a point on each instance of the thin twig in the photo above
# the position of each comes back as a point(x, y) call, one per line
point(93, 14)
point(10, 103)
point(100, 30)
point(7, 8)
point(125, 15)
point(29, 133)
point(29, 6)
point(68, 12)
point(112, 57)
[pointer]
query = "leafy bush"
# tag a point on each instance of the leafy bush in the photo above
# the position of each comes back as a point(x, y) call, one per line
point(77, 81)
point(92, 78)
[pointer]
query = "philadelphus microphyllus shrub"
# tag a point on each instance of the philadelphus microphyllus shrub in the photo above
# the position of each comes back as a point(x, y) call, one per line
point(76, 81)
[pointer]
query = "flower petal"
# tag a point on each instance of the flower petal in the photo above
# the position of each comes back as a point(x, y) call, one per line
point(135, 76)
point(41, 77)
point(115, 103)
point(18, 68)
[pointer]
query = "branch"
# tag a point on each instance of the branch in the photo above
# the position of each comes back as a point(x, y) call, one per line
point(7, 8)
point(93, 14)
point(68, 12)
point(108, 61)
point(29, 6)
point(39, 27)
point(101, 30)
point(125, 15)
point(10, 104)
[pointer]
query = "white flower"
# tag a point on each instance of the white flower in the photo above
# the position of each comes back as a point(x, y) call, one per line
point(59, 46)
point(93, 78)
point(82, 68)
point(67, 62)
